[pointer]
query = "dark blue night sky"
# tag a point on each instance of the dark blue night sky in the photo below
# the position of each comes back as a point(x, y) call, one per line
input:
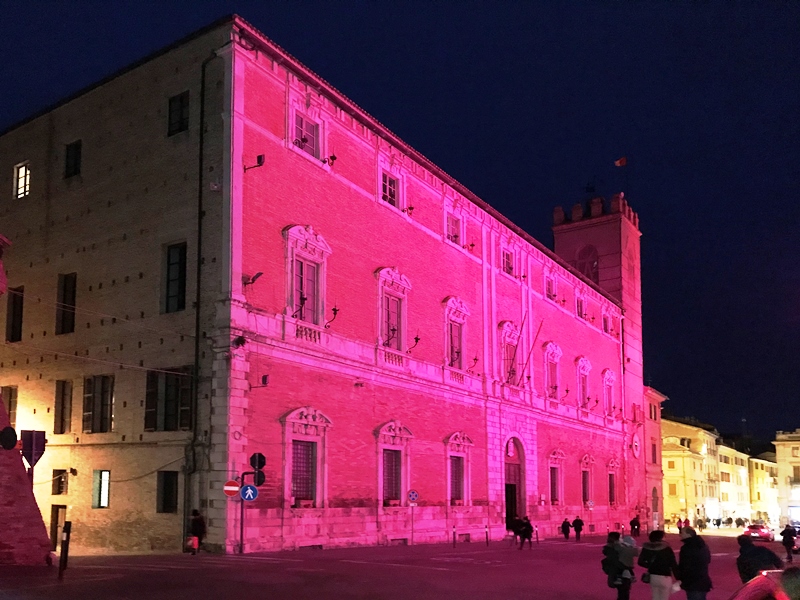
point(527, 102)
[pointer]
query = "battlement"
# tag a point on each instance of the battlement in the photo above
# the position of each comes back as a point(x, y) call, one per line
point(596, 207)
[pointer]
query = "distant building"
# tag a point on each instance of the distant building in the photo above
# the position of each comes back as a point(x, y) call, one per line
point(787, 457)
point(764, 488)
point(734, 483)
point(218, 254)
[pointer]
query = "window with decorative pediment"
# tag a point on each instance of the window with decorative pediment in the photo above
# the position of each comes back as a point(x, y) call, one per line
point(556, 464)
point(586, 478)
point(393, 291)
point(305, 452)
point(510, 352)
point(582, 369)
point(455, 318)
point(393, 463)
point(391, 179)
point(552, 354)
point(459, 491)
point(306, 258)
point(608, 391)
point(613, 469)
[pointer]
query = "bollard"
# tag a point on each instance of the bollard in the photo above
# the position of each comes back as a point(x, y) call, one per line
point(537, 533)
point(62, 562)
point(608, 529)
point(487, 535)
point(454, 536)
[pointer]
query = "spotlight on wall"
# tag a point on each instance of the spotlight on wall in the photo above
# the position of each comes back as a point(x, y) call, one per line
point(250, 280)
point(259, 163)
point(238, 341)
point(73, 472)
point(330, 160)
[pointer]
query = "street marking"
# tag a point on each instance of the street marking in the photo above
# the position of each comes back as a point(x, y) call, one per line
point(365, 562)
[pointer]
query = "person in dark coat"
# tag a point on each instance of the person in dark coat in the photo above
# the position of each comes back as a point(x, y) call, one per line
point(790, 582)
point(197, 528)
point(693, 562)
point(577, 525)
point(565, 527)
point(752, 559)
point(613, 567)
point(635, 526)
point(659, 559)
point(516, 529)
point(788, 534)
point(525, 533)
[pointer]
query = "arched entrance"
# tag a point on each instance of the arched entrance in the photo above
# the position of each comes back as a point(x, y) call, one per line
point(513, 459)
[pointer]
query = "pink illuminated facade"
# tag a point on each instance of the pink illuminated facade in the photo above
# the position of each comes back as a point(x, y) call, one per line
point(369, 325)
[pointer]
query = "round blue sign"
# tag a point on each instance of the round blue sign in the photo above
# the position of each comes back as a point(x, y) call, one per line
point(248, 492)
point(413, 495)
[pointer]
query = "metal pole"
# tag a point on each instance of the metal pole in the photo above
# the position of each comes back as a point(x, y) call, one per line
point(412, 523)
point(537, 533)
point(454, 536)
point(487, 535)
point(62, 562)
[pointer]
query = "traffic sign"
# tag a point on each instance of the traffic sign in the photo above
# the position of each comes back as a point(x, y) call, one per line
point(259, 478)
point(231, 488)
point(590, 503)
point(249, 492)
point(32, 445)
point(8, 438)
point(413, 495)
point(258, 461)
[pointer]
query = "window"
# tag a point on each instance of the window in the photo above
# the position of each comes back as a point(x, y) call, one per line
point(606, 324)
point(305, 431)
point(758, 495)
point(458, 451)
point(456, 359)
point(393, 442)
point(392, 322)
point(307, 253)
point(583, 367)
point(60, 482)
point(587, 263)
point(390, 192)
point(724, 496)
point(168, 400)
point(509, 353)
point(673, 489)
point(22, 180)
point(795, 468)
point(306, 135)
point(550, 289)
point(725, 476)
point(98, 404)
point(510, 363)
point(393, 290)
point(670, 464)
point(580, 307)
point(175, 297)
point(508, 262)
point(63, 407)
point(178, 113)
point(9, 393)
point(65, 303)
point(585, 487)
point(16, 298)
point(555, 464)
point(456, 479)
point(453, 229)
point(795, 451)
point(455, 314)
point(392, 475)
point(304, 477)
point(654, 453)
point(72, 159)
point(305, 290)
point(612, 489)
point(101, 488)
point(552, 354)
point(555, 495)
point(167, 492)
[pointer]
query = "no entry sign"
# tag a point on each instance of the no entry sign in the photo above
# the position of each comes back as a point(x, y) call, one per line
point(231, 488)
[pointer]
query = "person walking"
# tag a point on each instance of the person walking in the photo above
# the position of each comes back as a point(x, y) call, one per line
point(679, 524)
point(788, 534)
point(613, 567)
point(628, 551)
point(659, 560)
point(577, 525)
point(635, 526)
point(525, 533)
point(197, 528)
point(752, 559)
point(565, 527)
point(693, 561)
point(516, 528)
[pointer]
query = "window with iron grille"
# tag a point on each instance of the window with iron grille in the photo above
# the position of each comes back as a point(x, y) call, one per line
point(60, 482)
point(453, 229)
point(72, 159)
point(304, 470)
point(63, 407)
point(9, 393)
point(454, 331)
point(175, 297)
point(389, 190)
point(101, 488)
point(306, 135)
point(65, 303)
point(16, 297)
point(612, 488)
point(508, 262)
point(586, 494)
point(457, 478)
point(167, 492)
point(306, 283)
point(392, 330)
point(554, 485)
point(168, 400)
point(22, 180)
point(178, 113)
point(98, 404)
point(392, 474)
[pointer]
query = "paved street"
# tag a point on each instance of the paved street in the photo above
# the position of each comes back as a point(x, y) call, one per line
point(553, 570)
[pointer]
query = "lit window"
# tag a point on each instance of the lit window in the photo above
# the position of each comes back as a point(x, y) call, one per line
point(167, 492)
point(63, 407)
point(305, 431)
point(101, 489)
point(178, 117)
point(673, 489)
point(393, 442)
point(168, 400)
point(306, 135)
point(508, 262)
point(72, 159)
point(453, 229)
point(671, 464)
point(65, 303)
point(60, 482)
point(9, 393)
point(98, 404)
point(389, 190)
point(22, 180)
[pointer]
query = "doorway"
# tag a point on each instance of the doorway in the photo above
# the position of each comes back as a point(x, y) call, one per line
point(58, 515)
point(513, 482)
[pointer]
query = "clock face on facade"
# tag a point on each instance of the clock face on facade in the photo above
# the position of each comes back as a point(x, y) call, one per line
point(636, 445)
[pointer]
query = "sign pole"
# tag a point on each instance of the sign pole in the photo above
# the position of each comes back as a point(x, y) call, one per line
point(412, 522)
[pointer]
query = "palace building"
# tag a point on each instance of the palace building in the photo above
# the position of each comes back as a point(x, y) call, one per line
point(217, 254)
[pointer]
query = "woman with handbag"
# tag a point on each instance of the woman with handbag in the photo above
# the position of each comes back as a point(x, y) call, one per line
point(659, 560)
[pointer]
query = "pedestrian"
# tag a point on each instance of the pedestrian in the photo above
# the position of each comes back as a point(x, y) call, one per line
point(628, 551)
point(197, 528)
point(635, 526)
point(659, 559)
point(679, 524)
point(790, 582)
point(565, 527)
point(525, 533)
point(788, 534)
point(516, 528)
point(693, 561)
point(613, 567)
point(577, 525)
point(752, 559)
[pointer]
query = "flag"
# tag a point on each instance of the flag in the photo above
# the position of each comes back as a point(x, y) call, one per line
point(621, 162)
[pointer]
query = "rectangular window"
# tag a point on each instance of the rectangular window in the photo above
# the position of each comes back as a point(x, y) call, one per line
point(606, 324)
point(72, 159)
point(178, 113)
point(758, 494)
point(65, 303)
point(552, 379)
point(391, 474)
point(725, 476)
point(98, 404)
point(391, 321)
point(673, 489)
point(795, 451)
point(671, 464)
point(580, 309)
point(389, 190)
point(508, 262)
point(612, 489)
point(16, 297)
point(454, 333)
point(585, 492)
point(168, 400)
point(101, 488)
point(583, 389)
point(304, 470)
point(22, 180)
point(550, 288)
point(306, 135)
point(457, 478)
point(175, 297)
point(63, 407)
point(724, 496)
point(453, 229)
point(554, 486)
point(510, 363)
point(608, 398)
point(654, 453)
point(795, 468)
point(60, 482)
point(167, 492)
point(305, 290)
point(10, 401)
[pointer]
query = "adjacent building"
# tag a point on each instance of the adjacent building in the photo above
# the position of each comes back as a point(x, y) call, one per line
point(217, 254)
point(787, 457)
point(764, 488)
point(734, 483)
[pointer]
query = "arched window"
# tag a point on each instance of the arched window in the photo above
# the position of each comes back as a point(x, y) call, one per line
point(305, 442)
point(587, 263)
